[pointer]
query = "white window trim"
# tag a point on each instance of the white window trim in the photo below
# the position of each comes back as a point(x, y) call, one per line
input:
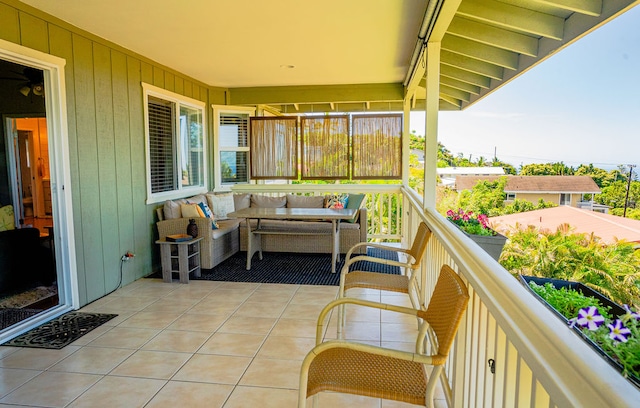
point(61, 192)
point(217, 110)
point(151, 90)
point(567, 202)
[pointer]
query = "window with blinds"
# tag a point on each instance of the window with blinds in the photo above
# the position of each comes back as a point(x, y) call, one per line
point(377, 146)
point(274, 148)
point(325, 147)
point(161, 145)
point(233, 146)
point(176, 159)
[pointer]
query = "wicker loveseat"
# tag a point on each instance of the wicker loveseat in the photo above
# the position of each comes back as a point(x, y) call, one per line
point(230, 235)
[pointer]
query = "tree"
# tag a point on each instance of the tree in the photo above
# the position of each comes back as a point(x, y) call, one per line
point(614, 194)
point(508, 168)
point(546, 169)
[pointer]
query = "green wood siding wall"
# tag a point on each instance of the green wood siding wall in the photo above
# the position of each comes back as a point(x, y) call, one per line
point(106, 143)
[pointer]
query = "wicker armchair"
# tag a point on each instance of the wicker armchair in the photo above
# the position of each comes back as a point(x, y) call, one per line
point(405, 283)
point(378, 372)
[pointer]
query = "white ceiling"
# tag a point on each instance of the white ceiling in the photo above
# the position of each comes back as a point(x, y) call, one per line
point(248, 43)
point(361, 44)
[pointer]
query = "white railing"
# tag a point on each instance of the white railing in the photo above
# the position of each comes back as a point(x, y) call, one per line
point(383, 202)
point(511, 351)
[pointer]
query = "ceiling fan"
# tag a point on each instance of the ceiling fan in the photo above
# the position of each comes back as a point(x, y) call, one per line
point(32, 81)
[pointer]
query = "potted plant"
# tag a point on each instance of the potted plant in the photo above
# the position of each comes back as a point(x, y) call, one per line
point(477, 228)
point(611, 329)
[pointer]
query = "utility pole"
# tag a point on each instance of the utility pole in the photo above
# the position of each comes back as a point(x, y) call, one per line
point(626, 198)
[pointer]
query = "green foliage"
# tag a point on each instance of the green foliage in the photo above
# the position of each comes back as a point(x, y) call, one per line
point(613, 270)
point(546, 169)
point(615, 193)
point(632, 213)
point(567, 301)
point(486, 197)
point(518, 206)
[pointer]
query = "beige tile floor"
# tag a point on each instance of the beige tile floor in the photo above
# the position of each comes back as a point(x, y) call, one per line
point(203, 344)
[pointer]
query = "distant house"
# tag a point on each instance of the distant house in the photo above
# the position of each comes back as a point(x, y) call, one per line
point(448, 174)
point(574, 191)
point(609, 228)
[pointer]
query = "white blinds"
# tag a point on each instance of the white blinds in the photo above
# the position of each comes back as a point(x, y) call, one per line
point(161, 145)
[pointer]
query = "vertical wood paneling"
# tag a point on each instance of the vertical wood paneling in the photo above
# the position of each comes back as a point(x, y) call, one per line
point(541, 396)
point(34, 33)
point(490, 349)
point(106, 164)
point(89, 184)
point(472, 356)
point(188, 86)
point(511, 379)
point(525, 384)
point(10, 27)
point(179, 85)
point(482, 354)
point(61, 45)
point(106, 146)
point(144, 244)
point(123, 158)
point(169, 81)
point(158, 77)
point(501, 368)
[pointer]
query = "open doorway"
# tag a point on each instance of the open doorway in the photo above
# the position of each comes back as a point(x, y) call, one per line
point(32, 184)
point(28, 275)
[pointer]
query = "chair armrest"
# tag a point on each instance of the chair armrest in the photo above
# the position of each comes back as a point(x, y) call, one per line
point(345, 268)
point(368, 348)
point(375, 245)
point(360, 302)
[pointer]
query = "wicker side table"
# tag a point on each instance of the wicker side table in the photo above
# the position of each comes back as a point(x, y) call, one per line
point(182, 257)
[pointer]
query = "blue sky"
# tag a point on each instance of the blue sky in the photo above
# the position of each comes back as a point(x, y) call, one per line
point(582, 105)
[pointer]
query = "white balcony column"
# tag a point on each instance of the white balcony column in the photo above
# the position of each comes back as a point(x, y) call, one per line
point(431, 123)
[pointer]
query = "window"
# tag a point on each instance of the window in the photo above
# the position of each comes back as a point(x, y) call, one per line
point(176, 160)
point(231, 126)
point(565, 199)
point(510, 196)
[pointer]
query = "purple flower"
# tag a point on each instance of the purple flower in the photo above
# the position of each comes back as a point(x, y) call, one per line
point(630, 313)
point(618, 332)
point(590, 318)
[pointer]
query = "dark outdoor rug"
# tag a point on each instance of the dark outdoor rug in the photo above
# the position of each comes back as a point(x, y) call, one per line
point(11, 316)
point(290, 268)
point(60, 331)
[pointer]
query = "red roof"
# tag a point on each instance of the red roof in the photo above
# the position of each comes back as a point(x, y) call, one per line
point(536, 184)
point(608, 227)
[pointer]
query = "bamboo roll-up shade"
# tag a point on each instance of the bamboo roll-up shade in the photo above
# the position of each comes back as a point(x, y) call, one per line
point(273, 142)
point(377, 146)
point(325, 147)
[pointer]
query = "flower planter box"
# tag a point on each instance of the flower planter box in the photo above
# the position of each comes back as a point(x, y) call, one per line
point(615, 310)
point(490, 244)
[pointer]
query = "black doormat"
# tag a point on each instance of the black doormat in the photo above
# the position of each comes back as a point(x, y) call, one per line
point(11, 316)
point(60, 331)
point(290, 268)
